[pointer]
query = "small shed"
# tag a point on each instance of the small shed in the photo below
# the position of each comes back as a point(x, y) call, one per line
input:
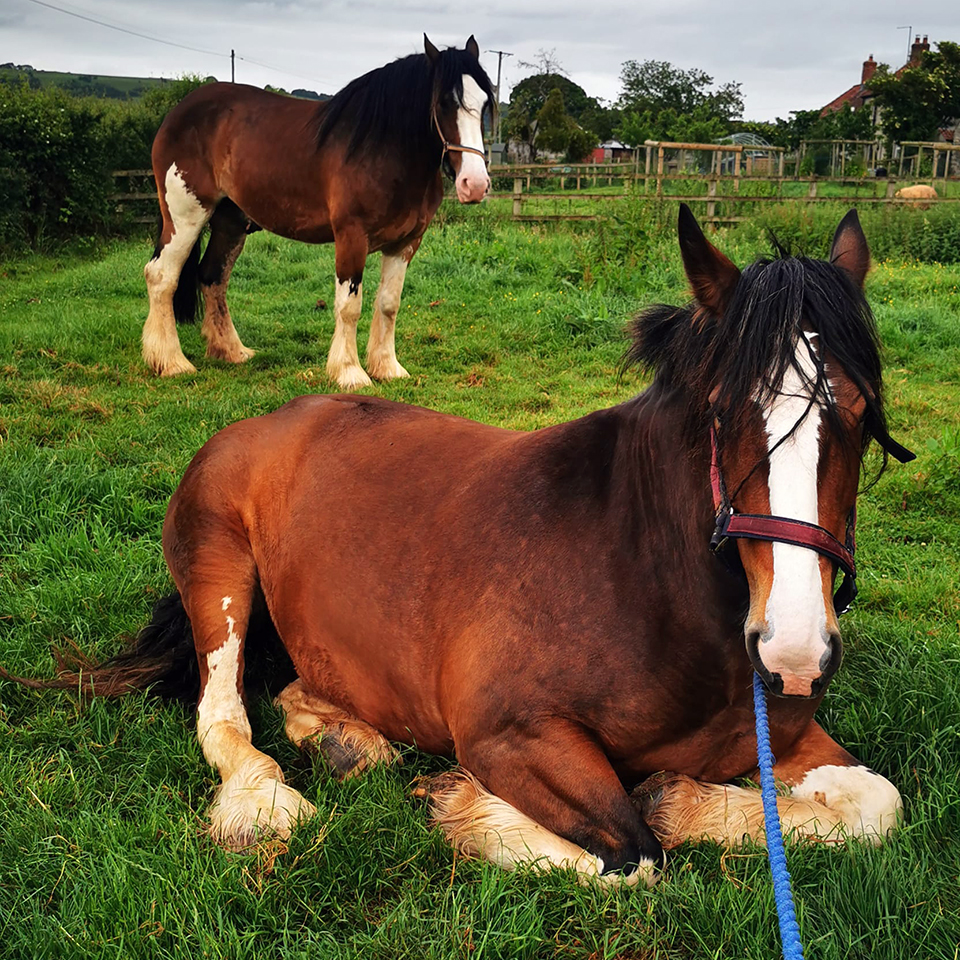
point(611, 152)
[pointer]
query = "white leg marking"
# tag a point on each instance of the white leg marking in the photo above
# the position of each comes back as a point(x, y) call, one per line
point(479, 824)
point(225, 603)
point(690, 810)
point(221, 701)
point(869, 805)
point(795, 636)
point(253, 799)
point(472, 180)
point(161, 345)
point(382, 361)
point(343, 361)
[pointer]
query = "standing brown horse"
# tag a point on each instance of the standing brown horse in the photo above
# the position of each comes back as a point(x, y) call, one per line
point(362, 170)
point(546, 606)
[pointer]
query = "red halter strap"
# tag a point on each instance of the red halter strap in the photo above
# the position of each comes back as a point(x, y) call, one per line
point(731, 525)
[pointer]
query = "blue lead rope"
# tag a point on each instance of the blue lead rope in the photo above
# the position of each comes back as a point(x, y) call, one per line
point(783, 894)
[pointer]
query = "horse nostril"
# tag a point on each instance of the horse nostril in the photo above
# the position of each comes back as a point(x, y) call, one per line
point(830, 661)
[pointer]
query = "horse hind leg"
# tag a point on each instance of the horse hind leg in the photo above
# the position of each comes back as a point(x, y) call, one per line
point(252, 800)
point(183, 216)
point(349, 745)
point(228, 232)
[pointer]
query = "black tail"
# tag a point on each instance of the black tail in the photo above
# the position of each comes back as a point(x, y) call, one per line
point(162, 658)
point(187, 302)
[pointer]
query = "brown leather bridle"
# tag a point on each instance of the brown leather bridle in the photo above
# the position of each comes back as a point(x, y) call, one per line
point(731, 525)
point(458, 147)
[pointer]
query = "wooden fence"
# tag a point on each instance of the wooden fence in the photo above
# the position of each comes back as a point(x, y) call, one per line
point(561, 184)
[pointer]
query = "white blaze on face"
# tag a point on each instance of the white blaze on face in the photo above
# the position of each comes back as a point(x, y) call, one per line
point(795, 638)
point(472, 180)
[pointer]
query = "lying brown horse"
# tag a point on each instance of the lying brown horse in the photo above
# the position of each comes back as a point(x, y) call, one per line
point(362, 170)
point(546, 606)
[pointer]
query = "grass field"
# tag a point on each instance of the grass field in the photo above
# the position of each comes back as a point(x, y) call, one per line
point(102, 803)
point(81, 83)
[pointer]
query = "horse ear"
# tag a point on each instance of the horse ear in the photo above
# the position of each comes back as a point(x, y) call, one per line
point(849, 250)
point(712, 276)
point(473, 47)
point(430, 50)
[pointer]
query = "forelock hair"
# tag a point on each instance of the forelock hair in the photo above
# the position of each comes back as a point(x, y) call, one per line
point(725, 364)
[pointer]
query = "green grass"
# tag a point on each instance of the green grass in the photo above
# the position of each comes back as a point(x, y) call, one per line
point(101, 851)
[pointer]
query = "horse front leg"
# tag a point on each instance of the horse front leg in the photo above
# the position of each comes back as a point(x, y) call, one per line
point(382, 363)
point(545, 795)
point(833, 797)
point(343, 361)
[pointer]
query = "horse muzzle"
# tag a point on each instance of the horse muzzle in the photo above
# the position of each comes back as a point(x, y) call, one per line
point(790, 676)
point(472, 188)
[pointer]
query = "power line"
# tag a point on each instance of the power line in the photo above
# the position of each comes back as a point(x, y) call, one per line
point(171, 43)
point(133, 33)
point(288, 73)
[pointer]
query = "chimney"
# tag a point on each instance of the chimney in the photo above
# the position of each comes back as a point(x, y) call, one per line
point(918, 50)
point(869, 69)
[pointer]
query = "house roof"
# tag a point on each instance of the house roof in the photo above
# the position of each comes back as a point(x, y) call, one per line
point(853, 97)
point(859, 93)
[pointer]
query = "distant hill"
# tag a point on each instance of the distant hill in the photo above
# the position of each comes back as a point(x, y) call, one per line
point(95, 85)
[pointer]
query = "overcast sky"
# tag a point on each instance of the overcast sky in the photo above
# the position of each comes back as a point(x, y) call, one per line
point(786, 56)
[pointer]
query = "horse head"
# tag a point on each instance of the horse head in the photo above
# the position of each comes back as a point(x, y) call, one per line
point(781, 368)
point(461, 94)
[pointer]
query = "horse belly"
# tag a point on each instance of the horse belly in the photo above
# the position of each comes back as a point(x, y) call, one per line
point(354, 555)
point(347, 654)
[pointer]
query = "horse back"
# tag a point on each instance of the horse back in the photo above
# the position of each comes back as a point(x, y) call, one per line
point(255, 147)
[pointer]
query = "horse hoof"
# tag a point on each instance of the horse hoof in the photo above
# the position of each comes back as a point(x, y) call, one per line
point(172, 368)
point(351, 378)
point(230, 355)
point(351, 749)
point(248, 809)
point(391, 370)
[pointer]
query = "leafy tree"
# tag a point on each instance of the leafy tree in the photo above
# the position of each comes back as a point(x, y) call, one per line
point(558, 132)
point(922, 98)
point(662, 102)
point(656, 85)
point(529, 96)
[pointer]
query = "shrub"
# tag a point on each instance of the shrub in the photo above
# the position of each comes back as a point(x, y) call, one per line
point(57, 152)
point(893, 232)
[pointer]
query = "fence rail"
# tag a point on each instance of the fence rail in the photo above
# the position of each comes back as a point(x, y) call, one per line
point(564, 182)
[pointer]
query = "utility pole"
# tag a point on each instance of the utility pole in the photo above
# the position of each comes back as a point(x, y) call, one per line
point(233, 72)
point(500, 55)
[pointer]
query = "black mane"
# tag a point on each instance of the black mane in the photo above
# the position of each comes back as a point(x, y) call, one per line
point(393, 105)
point(747, 352)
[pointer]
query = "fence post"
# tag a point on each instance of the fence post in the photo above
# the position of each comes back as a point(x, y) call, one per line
point(812, 190)
point(646, 169)
point(891, 183)
point(736, 171)
point(660, 171)
point(712, 204)
point(517, 197)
